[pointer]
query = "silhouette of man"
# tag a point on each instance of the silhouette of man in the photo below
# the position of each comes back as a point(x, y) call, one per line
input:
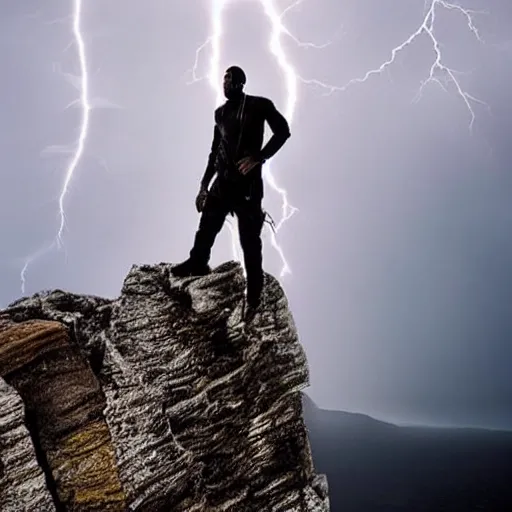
point(236, 157)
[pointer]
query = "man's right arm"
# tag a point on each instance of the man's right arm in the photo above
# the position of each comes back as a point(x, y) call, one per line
point(210, 168)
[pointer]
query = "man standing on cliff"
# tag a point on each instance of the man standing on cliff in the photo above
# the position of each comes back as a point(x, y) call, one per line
point(236, 157)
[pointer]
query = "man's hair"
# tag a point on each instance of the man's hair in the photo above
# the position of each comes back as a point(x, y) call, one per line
point(237, 75)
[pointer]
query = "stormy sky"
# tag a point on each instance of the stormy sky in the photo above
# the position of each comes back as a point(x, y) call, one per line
point(401, 253)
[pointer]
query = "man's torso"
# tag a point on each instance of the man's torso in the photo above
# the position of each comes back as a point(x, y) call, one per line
point(241, 124)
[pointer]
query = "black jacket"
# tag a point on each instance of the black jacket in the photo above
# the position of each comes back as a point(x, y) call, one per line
point(239, 132)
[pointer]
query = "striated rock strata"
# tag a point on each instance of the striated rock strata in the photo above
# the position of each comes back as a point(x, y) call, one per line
point(163, 399)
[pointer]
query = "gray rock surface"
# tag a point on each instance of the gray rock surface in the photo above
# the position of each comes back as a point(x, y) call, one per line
point(204, 410)
point(22, 482)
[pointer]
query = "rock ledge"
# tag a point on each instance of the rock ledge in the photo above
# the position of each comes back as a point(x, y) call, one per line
point(163, 399)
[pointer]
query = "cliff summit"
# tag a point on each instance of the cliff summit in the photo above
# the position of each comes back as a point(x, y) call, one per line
point(163, 399)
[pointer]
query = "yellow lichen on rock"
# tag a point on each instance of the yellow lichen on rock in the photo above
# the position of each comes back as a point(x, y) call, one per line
point(64, 412)
point(22, 343)
point(85, 470)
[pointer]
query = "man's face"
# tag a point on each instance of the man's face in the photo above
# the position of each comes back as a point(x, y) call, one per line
point(228, 84)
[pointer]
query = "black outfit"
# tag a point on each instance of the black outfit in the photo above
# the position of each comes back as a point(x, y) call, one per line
point(239, 132)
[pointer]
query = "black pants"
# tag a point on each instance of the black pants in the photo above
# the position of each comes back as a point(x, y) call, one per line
point(250, 223)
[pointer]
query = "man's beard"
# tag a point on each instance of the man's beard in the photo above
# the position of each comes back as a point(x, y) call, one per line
point(232, 93)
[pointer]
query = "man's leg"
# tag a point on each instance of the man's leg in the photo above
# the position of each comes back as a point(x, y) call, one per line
point(250, 223)
point(210, 224)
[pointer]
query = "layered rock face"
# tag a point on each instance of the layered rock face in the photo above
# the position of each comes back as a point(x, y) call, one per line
point(164, 399)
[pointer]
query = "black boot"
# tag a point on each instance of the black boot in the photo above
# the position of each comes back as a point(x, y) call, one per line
point(189, 268)
point(254, 287)
point(253, 298)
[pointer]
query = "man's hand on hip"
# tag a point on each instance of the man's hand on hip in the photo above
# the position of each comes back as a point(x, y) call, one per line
point(246, 164)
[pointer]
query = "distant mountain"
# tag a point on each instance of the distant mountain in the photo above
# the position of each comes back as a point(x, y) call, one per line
point(351, 422)
point(375, 466)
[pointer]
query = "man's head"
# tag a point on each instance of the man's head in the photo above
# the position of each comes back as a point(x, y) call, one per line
point(234, 81)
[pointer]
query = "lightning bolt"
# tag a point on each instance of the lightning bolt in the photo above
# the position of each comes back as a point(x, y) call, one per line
point(85, 107)
point(439, 72)
point(291, 80)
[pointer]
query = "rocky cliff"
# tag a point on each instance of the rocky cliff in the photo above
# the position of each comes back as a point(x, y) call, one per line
point(163, 399)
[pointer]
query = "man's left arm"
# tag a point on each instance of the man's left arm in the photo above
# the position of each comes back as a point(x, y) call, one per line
point(280, 134)
point(280, 131)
